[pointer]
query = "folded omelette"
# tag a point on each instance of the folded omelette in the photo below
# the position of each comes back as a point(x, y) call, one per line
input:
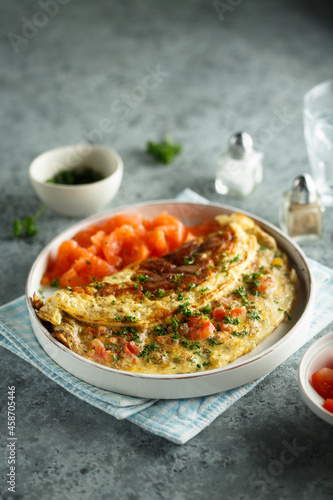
point(196, 308)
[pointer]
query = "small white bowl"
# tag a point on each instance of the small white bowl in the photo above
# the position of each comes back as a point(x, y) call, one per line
point(78, 200)
point(319, 355)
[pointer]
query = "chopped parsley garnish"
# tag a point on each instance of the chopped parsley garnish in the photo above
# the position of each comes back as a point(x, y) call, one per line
point(174, 325)
point(288, 315)
point(132, 319)
point(160, 292)
point(195, 345)
point(241, 333)
point(55, 283)
point(254, 281)
point(185, 309)
point(180, 296)
point(129, 331)
point(213, 342)
point(231, 321)
point(242, 293)
point(253, 314)
point(207, 309)
point(191, 286)
point(235, 259)
point(161, 330)
point(143, 278)
point(177, 278)
point(148, 350)
point(97, 284)
point(75, 176)
point(189, 260)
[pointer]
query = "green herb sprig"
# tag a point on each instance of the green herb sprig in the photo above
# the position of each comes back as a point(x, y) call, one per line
point(26, 226)
point(165, 151)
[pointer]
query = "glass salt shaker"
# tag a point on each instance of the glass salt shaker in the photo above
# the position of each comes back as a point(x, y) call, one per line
point(301, 210)
point(240, 168)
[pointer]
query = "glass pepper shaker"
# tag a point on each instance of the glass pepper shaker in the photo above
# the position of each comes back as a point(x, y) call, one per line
point(301, 211)
point(240, 168)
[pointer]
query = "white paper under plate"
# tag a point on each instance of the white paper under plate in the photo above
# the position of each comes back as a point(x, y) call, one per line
point(268, 355)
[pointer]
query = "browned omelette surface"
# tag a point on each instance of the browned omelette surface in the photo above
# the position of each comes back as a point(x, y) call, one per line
point(197, 308)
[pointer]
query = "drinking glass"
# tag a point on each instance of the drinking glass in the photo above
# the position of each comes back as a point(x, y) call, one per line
point(318, 131)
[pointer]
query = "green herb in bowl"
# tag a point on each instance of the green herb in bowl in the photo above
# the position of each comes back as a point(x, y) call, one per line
point(75, 176)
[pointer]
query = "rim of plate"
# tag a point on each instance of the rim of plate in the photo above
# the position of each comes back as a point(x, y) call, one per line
point(227, 368)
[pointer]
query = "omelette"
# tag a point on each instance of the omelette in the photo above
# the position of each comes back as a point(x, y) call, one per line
point(196, 308)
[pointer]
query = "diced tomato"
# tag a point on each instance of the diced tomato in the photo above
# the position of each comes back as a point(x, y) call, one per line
point(328, 405)
point(219, 313)
point(119, 241)
point(96, 349)
point(46, 279)
point(237, 311)
point(199, 328)
point(134, 348)
point(157, 242)
point(206, 227)
point(97, 241)
point(102, 330)
point(93, 268)
point(130, 349)
point(224, 327)
point(322, 382)
point(134, 220)
point(111, 249)
point(83, 238)
point(71, 278)
point(68, 252)
point(173, 229)
point(265, 283)
point(136, 251)
point(125, 245)
point(89, 331)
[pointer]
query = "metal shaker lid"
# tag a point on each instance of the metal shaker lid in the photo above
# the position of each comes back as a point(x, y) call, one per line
point(304, 190)
point(240, 145)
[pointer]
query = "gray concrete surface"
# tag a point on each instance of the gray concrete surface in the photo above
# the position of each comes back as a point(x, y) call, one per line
point(223, 66)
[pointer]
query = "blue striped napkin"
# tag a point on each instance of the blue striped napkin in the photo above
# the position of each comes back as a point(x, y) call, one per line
point(175, 420)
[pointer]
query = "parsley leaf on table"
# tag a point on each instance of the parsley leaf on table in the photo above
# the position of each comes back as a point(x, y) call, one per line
point(26, 226)
point(165, 151)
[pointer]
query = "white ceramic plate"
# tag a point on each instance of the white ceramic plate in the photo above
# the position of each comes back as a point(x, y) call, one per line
point(319, 355)
point(269, 354)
